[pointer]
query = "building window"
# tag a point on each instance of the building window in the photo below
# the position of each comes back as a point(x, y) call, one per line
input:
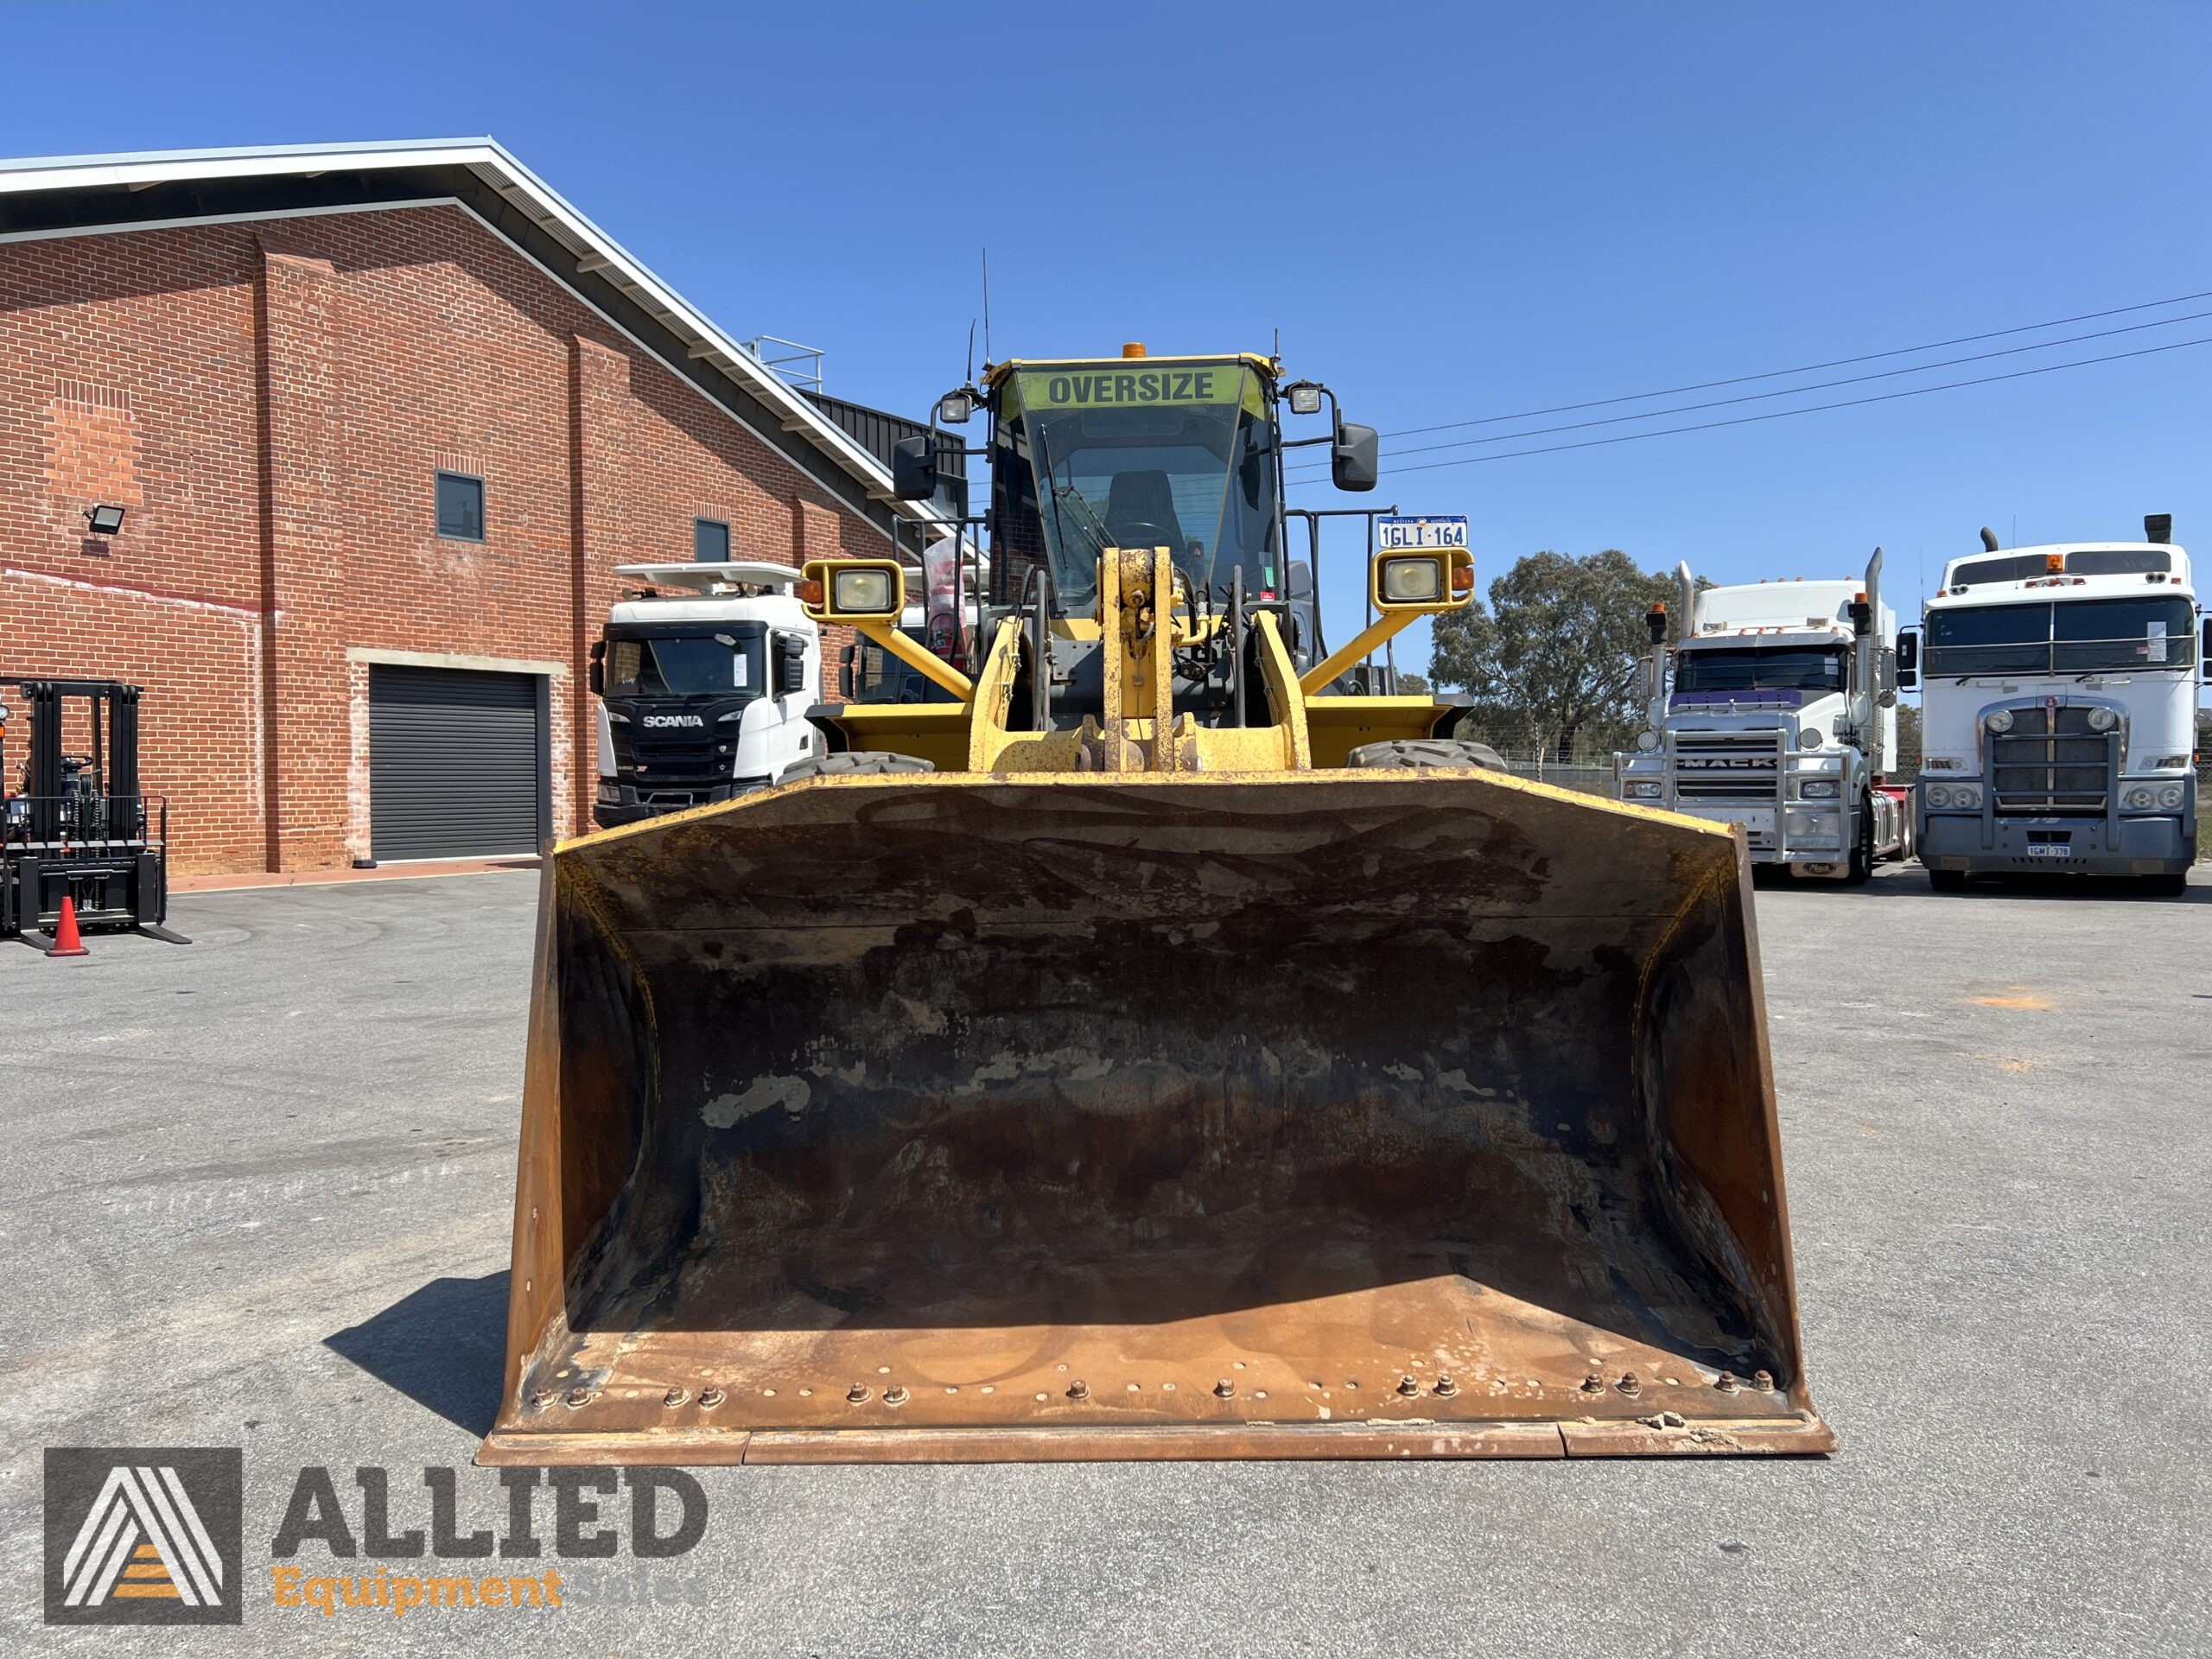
point(709, 541)
point(461, 507)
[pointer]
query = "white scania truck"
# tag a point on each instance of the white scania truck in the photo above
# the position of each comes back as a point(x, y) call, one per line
point(1775, 706)
point(704, 692)
point(2058, 711)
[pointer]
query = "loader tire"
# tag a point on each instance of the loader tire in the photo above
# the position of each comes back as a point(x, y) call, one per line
point(1424, 752)
point(854, 763)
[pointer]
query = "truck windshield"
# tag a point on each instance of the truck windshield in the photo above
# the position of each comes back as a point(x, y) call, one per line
point(1779, 668)
point(681, 666)
point(1178, 455)
point(2075, 637)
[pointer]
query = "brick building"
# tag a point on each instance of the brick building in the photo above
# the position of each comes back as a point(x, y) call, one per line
point(383, 421)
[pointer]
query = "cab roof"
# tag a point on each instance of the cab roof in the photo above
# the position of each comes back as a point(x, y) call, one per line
point(1267, 367)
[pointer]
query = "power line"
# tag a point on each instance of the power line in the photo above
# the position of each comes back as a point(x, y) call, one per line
point(1809, 368)
point(1789, 392)
point(1783, 414)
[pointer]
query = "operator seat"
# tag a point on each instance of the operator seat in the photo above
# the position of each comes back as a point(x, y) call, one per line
point(1139, 498)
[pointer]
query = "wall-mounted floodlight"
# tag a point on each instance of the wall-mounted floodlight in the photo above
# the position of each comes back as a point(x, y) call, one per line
point(105, 520)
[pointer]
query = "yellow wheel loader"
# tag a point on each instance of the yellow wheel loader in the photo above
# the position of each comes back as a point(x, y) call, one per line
point(1153, 1050)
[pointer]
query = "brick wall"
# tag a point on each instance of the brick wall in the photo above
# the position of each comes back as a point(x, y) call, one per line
point(272, 401)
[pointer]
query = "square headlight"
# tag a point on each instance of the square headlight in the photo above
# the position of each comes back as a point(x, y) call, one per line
point(1412, 581)
point(861, 592)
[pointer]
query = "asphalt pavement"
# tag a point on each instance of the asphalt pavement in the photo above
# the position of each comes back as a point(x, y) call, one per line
point(254, 1192)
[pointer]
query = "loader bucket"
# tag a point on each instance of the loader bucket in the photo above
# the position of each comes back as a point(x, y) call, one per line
point(1334, 1114)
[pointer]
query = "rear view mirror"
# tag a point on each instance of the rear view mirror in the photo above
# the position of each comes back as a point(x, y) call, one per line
point(598, 675)
point(1908, 669)
point(1355, 459)
point(790, 663)
point(2204, 654)
point(913, 467)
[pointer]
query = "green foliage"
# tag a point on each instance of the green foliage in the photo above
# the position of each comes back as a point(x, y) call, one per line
point(1411, 684)
point(1556, 661)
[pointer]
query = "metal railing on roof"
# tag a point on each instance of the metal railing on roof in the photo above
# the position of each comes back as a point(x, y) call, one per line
point(797, 366)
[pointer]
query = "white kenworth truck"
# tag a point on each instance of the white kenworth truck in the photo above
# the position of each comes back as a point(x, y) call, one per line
point(703, 691)
point(1775, 706)
point(2058, 711)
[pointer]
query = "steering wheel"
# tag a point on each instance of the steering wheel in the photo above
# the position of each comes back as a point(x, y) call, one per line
point(1126, 538)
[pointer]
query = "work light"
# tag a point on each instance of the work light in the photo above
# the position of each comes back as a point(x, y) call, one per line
point(860, 592)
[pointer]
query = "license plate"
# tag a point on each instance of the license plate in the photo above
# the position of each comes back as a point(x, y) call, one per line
point(1395, 535)
point(2050, 849)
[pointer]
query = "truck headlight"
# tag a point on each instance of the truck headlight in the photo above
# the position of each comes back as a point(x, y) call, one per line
point(1999, 720)
point(1642, 790)
point(1811, 737)
point(1954, 797)
point(2140, 798)
point(610, 795)
point(2169, 798)
point(1938, 796)
point(1648, 741)
point(1818, 788)
point(2102, 720)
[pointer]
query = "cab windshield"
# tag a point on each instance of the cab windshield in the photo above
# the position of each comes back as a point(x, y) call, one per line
point(2084, 636)
point(1178, 455)
point(1800, 668)
point(682, 665)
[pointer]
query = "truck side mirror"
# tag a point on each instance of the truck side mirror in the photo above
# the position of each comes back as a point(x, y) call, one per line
point(913, 467)
point(2204, 654)
point(1355, 458)
point(845, 673)
point(597, 674)
point(1908, 668)
point(790, 663)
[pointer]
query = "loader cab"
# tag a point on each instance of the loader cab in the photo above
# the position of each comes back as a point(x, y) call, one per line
point(1179, 453)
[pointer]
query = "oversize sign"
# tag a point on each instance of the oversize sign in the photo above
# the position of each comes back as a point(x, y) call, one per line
point(1220, 383)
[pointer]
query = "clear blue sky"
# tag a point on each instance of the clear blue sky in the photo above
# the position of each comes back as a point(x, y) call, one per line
point(1450, 212)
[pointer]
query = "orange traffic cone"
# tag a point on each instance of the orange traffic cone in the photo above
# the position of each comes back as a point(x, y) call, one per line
point(68, 942)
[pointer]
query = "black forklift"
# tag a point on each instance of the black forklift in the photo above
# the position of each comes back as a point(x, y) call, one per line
point(77, 827)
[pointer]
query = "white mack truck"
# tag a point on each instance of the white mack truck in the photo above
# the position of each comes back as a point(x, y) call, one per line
point(2058, 711)
point(704, 693)
point(1775, 706)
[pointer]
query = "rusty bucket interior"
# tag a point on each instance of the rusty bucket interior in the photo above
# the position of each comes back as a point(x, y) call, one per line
point(1352, 1114)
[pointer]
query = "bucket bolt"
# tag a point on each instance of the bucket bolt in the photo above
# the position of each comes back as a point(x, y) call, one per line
point(859, 1393)
point(1629, 1384)
point(1225, 1389)
point(1725, 1382)
point(580, 1397)
point(1078, 1389)
point(894, 1396)
point(709, 1398)
point(1763, 1381)
point(1408, 1387)
point(1446, 1386)
point(1593, 1383)
point(542, 1397)
point(676, 1397)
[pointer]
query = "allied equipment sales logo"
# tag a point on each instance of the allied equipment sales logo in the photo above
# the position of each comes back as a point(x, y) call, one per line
point(144, 1535)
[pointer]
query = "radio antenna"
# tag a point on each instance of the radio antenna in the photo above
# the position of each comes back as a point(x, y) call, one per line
point(986, 305)
point(971, 379)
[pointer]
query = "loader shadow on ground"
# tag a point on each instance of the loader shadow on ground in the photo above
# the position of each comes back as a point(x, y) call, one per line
point(442, 1346)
